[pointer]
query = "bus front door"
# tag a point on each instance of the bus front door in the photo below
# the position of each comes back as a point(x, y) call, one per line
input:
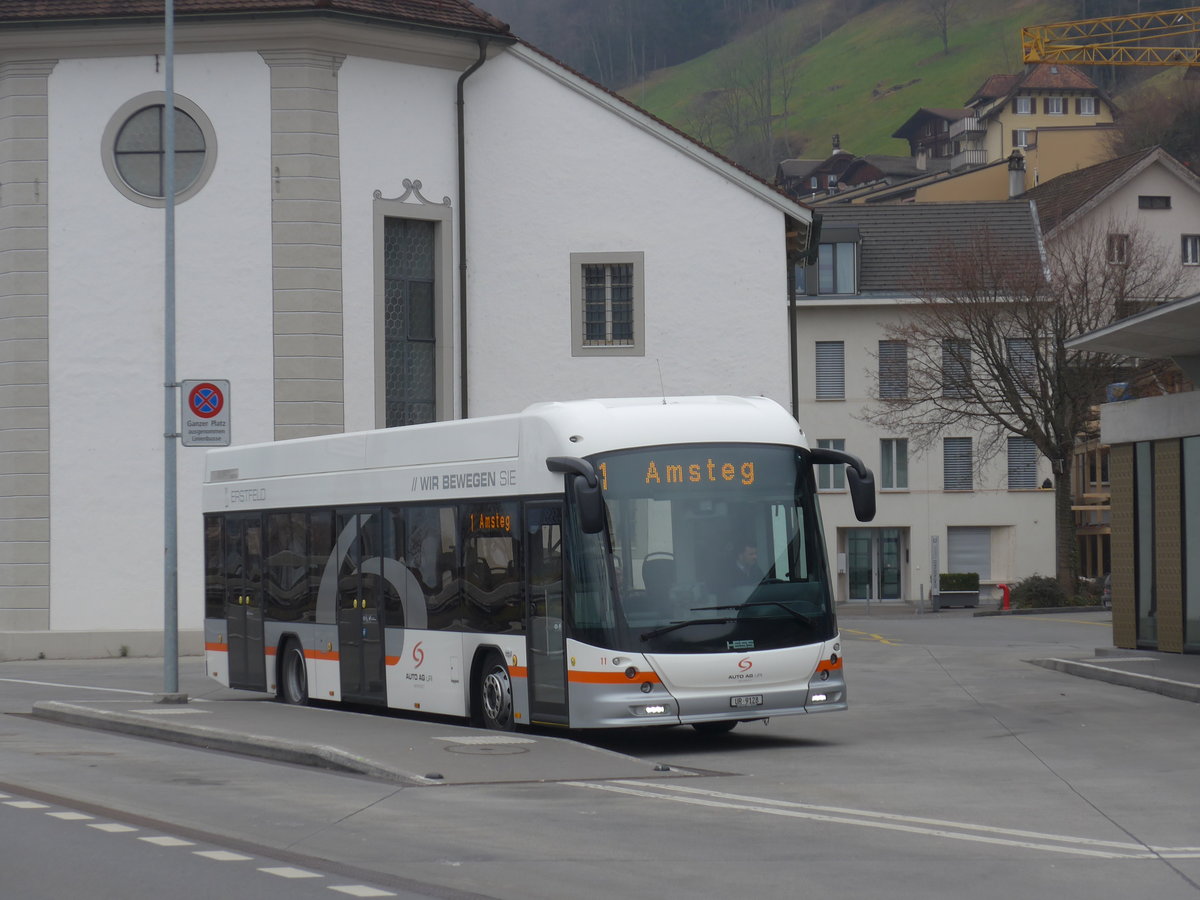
point(359, 608)
point(544, 603)
point(244, 602)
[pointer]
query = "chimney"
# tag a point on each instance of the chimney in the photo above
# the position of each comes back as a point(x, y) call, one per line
point(922, 160)
point(1016, 174)
point(837, 143)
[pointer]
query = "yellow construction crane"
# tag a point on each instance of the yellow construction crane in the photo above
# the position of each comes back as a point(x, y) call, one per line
point(1141, 39)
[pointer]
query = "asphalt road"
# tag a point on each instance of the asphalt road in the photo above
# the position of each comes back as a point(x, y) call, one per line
point(960, 771)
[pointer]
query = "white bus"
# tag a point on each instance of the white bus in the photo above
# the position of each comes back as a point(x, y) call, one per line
point(590, 564)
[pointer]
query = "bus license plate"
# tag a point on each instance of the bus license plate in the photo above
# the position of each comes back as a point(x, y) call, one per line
point(748, 700)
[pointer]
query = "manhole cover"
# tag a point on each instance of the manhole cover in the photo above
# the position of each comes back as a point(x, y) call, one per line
point(487, 749)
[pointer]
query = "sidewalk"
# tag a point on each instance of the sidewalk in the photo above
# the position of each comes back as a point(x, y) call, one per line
point(385, 747)
point(1175, 675)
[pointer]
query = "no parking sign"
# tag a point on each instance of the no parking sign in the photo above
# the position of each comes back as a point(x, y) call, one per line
point(205, 413)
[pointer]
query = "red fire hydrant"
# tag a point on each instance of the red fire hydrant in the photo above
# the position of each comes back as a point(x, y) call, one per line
point(1006, 602)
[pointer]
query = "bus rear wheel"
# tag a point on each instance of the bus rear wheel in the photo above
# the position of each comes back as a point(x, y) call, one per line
point(293, 675)
point(495, 694)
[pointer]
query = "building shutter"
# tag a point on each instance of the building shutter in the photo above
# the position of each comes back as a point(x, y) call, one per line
point(956, 464)
point(831, 370)
point(893, 370)
point(1022, 464)
point(969, 549)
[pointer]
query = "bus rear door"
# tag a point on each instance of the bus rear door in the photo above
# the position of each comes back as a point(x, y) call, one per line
point(244, 601)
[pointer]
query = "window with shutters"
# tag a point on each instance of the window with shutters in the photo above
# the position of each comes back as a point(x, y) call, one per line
point(893, 370)
point(1023, 106)
point(831, 477)
point(1055, 106)
point(956, 369)
point(957, 468)
point(969, 549)
point(1022, 464)
point(1087, 106)
point(607, 304)
point(831, 370)
point(1022, 364)
point(893, 464)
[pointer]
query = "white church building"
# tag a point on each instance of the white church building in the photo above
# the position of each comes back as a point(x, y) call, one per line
point(388, 211)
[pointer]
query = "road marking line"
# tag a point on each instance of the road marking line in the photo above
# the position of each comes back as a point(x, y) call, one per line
point(289, 872)
point(872, 636)
point(112, 827)
point(81, 687)
point(360, 890)
point(70, 816)
point(166, 841)
point(867, 819)
point(223, 855)
point(26, 804)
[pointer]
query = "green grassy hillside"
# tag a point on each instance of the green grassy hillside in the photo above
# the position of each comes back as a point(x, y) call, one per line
point(861, 80)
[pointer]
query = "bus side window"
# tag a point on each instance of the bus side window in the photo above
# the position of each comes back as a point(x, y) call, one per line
point(320, 548)
point(287, 566)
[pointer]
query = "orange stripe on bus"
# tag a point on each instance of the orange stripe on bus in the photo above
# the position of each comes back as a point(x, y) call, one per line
point(392, 660)
point(321, 654)
point(610, 677)
point(827, 666)
point(215, 647)
point(518, 671)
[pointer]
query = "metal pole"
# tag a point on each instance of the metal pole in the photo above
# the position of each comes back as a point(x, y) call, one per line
point(170, 513)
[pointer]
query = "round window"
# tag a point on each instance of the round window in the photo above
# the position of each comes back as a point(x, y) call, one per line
point(135, 154)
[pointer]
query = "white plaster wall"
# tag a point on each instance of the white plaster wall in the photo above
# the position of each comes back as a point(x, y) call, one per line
point(1163, 226)
point(106, 324)
point(395, 121)
point(550, 173)
point(1023, 539)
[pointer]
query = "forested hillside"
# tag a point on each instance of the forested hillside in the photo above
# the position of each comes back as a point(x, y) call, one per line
point(762, 80)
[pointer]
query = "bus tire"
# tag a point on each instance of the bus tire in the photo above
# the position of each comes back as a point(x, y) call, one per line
point(494, 693)
point(715, 727)
point(293, 674)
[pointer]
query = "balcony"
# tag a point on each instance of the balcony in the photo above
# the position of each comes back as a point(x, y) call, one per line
point(968, 158)
point(969, 126)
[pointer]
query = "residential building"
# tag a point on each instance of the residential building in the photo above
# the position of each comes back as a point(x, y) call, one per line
point(388, 211)
point(990, 516)
point(1154, 468)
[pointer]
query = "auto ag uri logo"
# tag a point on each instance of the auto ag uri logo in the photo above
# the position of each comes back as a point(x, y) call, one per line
point(745, 664)
point(418, 655)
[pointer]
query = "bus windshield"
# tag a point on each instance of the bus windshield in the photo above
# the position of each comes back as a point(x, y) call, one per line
point(715, 548)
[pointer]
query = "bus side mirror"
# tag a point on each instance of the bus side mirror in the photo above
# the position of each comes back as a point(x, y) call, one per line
point(862, 493)
point(858, 476)
point(585, 488)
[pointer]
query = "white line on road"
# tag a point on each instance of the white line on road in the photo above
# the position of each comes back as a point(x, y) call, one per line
point(913, 825)
point(289, 872)
point(223, 855)
point(360, 890)
point(81, 687)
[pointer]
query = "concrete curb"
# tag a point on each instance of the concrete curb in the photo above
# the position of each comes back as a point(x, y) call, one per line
point(260, 746)
point(1177, 690)
point(1046, 610)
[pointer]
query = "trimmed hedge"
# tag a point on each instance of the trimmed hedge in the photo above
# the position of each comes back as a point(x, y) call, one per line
point(1038, 592)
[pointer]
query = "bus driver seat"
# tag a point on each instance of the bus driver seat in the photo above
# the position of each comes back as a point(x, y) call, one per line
point(658, 575)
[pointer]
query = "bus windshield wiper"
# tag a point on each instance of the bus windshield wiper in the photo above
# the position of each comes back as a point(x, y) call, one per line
point(675, 626)
point(807, 620)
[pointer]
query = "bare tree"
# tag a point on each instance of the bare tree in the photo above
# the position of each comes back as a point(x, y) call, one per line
point(986, 345)
point(940, 11)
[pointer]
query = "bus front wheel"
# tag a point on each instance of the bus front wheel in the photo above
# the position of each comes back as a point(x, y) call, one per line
point(495, 694)
point(293, 675)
